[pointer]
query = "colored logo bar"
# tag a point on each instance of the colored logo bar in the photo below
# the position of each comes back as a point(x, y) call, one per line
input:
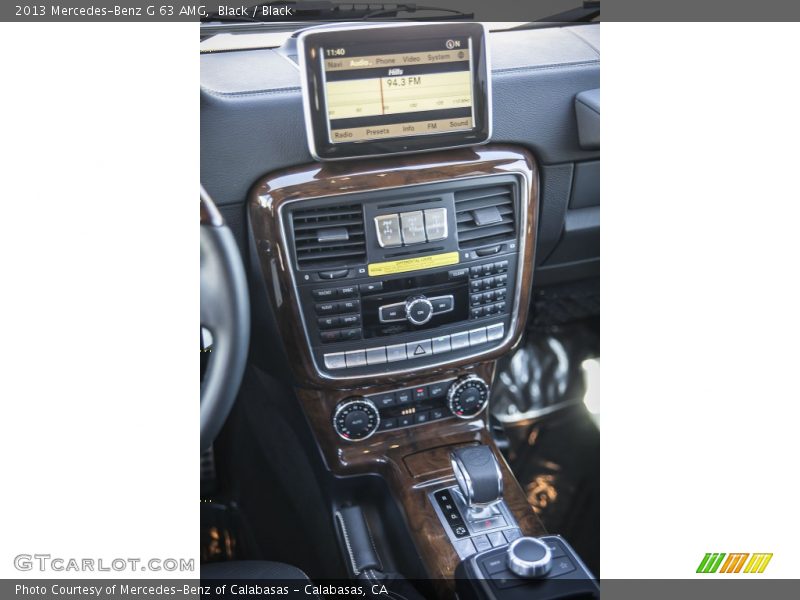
point(734, 563)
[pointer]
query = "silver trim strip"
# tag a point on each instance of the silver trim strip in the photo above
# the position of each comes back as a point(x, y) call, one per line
point(523, 243)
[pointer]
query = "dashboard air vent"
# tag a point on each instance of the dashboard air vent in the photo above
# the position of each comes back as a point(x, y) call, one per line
point(329, 236)
point(485, 215)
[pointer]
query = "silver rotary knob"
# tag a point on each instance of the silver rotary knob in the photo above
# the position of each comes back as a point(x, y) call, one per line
point(419, 310)
point(468, 396)
point(529, 557)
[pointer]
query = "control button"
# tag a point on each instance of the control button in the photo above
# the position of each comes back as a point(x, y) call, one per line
point(475, 271)
point(420, 393)
point(490, 310)
point(476, 285)
point(348, 320)
point(355, 358)
point(387, 424)
point(335, 361)
point(477, 336)
point(466, 398)
point(488, 251)
point(493, 564)
point(384, 400)
point(412, 225)
point(328, 322)
point(418, 349)
point(464, 548)
point(437, 413)
point(475, 299)
point(500, 293)
point(556, 549)
point(487, 297)
point(404, 396)
point(349, 306)
point(512, 534)
point(392, 312)
point(326, 308)
point(481, 543)
point(437, 390)
point(495, 332)
point(330, 336)
point(458, 273)
point(501, 307)
point(348, 292)
point(388, 229)
point(488, 283)
point(350, 334)
point(405, 421)
point(376, 356)
point(501, 267)
point(441, 344)
point(506, 579)
point(561, 566)
point(500, 280)
point(419, 310)
point(421, 417)
point(529, 557)
point(436, 224)
point(324, 294)
point(490, 523)
point(496, 539)
point(333, 274)
point(375, 286)
point(476, 312)
point(442, 304)
point(396, 352)
point(356, 419)
point(487, 269)
point(459, 340)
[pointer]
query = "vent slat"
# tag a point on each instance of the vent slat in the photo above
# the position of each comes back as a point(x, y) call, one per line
point(333, 245)
point(484, 192)
point(353, 233)
point(322, 213)
point(470, 234)
point(308, 225)
point(324, 224)
point(328, 255)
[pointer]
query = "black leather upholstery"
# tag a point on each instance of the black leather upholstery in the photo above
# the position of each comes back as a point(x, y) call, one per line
point(251, 569)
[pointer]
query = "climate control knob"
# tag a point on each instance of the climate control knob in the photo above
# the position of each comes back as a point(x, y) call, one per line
point(356, 419)
point(468, 396)
point(419, 310)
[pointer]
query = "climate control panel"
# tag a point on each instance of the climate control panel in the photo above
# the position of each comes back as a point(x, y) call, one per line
point(359, 417)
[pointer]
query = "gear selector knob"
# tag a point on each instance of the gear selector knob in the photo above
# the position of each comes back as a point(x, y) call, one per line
point(478, 475)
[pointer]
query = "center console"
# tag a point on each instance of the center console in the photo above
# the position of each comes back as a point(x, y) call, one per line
point(396, 283)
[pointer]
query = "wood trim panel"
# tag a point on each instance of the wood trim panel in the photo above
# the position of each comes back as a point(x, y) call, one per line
point(330, 179)
point(426, 448)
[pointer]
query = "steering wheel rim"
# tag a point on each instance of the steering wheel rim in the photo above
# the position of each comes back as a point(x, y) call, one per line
point(225, 312)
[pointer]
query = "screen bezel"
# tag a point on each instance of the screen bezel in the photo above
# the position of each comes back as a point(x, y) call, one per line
point(315, 109)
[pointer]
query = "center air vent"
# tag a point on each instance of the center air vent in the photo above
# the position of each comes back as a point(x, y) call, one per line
point(331, 236)
point(485, 215)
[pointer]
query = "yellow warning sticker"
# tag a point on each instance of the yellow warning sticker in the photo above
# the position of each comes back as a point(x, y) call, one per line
point(413, 264)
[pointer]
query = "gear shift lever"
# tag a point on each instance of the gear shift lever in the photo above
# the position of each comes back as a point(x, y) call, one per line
point(479, 477)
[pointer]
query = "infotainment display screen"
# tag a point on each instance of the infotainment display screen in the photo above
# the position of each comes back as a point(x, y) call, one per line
point(385, 89)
